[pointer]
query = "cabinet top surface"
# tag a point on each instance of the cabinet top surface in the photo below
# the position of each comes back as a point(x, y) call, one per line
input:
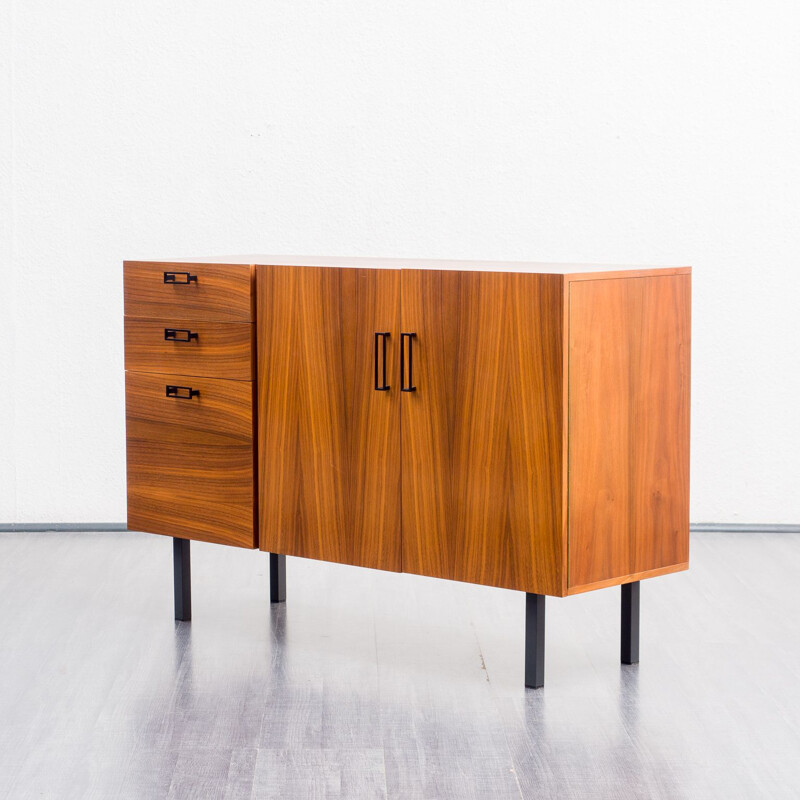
point(422, 263)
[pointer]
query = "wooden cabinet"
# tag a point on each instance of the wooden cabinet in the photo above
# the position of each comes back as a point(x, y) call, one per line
point(544, 446)
point(521, 426)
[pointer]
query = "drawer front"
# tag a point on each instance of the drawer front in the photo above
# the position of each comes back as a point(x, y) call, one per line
point(164, 290)
point(185, 347)
point(190, 457)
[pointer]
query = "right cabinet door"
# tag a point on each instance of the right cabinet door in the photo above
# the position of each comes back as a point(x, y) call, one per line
point(481, 431)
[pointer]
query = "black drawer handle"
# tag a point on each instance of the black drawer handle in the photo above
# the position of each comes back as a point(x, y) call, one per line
point(171, 335)
point(175, 391)
point(406, 387)
point(172, 277)
point(385, 386)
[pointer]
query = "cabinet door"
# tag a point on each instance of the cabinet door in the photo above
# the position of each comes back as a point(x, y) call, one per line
point(329, 458)
point(482, 432)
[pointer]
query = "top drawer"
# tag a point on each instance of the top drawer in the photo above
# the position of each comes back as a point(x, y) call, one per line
point(215, 292)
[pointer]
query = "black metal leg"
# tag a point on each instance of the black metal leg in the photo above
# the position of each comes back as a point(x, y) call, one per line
point(277, 578)
point(629, 651)
point(183, 579)
point(534, 640)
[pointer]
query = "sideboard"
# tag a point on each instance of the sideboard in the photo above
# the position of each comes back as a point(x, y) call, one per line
point(517, 425)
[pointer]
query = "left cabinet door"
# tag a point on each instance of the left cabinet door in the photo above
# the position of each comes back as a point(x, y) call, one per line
point(329, 432)
point(190, 457)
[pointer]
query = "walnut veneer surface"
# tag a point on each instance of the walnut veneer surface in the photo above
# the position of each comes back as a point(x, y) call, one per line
point(482, 461)
point(329, 468)
point(191, 457)
point(544, 447)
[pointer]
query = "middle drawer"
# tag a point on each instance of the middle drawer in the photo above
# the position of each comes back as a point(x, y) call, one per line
point(210, 349)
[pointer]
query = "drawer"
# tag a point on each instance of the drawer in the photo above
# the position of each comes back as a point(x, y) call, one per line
point(186, 347)
point(166, 290)
point(190, 457)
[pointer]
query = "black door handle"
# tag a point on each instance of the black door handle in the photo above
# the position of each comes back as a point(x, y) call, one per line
point(172, 277)
point(383, 337)
point(406, 387)
point(175, 391)
point(171, 335)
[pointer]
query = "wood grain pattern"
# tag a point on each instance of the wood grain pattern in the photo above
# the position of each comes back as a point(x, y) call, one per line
point(329, 475)
point(485, 480)
point(482, 434)
point(220, 349)
point(222, 292)
point(628, 426)
point(190, 463)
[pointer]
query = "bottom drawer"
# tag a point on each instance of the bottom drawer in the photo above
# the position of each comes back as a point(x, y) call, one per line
point(191, 457)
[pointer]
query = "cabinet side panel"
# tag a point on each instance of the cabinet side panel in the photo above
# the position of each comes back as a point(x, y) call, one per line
point(629, 364)
point(482, 432)
point(329, 443)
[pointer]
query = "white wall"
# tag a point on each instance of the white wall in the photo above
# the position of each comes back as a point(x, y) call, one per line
point(635, 131)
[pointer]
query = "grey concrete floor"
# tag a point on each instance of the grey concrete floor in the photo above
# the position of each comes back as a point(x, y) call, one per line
point(368, 684)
